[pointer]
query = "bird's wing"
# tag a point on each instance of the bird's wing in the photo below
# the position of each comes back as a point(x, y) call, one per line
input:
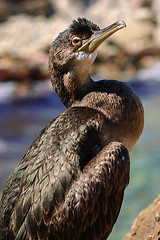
point(93, 203)
point(58, 171)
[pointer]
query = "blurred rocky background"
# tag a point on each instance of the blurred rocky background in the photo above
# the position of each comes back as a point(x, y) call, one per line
point(27, 29)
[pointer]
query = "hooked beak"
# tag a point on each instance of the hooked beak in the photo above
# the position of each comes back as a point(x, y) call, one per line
point(100, 36)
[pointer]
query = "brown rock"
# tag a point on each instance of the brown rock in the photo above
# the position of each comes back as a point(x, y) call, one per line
point(31, 7)
point(147, 225)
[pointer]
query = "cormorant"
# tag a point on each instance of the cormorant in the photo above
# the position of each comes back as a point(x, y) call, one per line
point(70, 183)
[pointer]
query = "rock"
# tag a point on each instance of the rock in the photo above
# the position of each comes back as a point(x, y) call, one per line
point(30, 74)
point(147, 225)
point(27, 34)
point(31, 7)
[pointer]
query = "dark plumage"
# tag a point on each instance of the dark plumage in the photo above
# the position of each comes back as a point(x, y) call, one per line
point(82, 26)
point(71, 181)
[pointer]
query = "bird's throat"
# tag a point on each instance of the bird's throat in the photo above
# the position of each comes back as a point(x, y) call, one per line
point(70, 83)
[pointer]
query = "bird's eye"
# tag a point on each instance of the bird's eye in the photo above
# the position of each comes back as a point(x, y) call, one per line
point(76, 41)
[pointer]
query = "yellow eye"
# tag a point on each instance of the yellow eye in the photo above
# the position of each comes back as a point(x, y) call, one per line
point(76, 41)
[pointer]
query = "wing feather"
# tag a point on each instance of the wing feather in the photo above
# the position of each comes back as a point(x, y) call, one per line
point(98, 175)
point(67, 184)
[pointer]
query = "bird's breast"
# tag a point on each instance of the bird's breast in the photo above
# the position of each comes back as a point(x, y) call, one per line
point(123, 110)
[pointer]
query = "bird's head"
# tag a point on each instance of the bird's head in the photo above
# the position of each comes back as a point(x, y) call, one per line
point(81, 40)
point(74, 50)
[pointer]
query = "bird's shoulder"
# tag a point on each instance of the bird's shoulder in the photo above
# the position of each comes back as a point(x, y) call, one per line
point(109, 90)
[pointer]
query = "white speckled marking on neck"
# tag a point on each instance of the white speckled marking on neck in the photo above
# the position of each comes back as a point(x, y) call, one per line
point(83, 61)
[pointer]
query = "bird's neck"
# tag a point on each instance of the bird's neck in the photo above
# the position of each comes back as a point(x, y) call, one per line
point(70, 83)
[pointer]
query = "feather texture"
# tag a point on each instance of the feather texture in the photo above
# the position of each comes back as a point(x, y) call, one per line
point(68, 191)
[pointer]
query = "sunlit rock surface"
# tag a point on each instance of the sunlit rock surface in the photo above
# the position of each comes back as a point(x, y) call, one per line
point(147, 225)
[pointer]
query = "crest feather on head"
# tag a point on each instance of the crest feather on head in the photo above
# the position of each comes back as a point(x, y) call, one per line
point(83, 26)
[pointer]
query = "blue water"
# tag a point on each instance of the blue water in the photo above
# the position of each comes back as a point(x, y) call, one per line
point(22, 119)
